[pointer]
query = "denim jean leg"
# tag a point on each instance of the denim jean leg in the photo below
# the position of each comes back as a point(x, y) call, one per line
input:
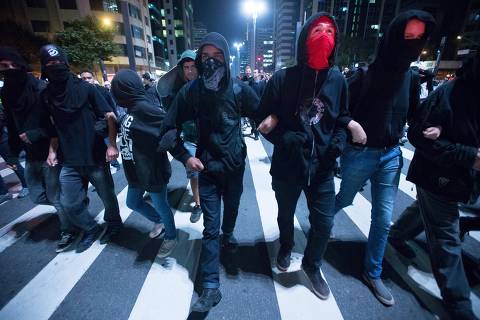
point(287, 195)
point(136, 202)
point(161, 205)
point(321, 202)
point(73, 198)
point(51, 176)
point(384, 191)
point(34, 176)
point(101, 179)
point(441, 218)
point(357, 166)
point(210, 257)
point(232, 192)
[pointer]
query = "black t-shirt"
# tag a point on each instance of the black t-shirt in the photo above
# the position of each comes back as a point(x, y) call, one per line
point(79, 143)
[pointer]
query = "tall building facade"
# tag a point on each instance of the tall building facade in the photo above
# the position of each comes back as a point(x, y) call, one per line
point(172, 27)
point(199, 32)
point(129, 18)
point(264, 49)
point(286, 16)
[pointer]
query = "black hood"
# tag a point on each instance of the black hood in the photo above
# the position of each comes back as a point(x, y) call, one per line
point(470, 71)
point(302, 38)
point(7, 53)
point(127, 88)
point(391, 48)
point(217, 40)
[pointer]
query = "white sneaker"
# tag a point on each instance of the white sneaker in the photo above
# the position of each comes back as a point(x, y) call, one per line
point(157, 230)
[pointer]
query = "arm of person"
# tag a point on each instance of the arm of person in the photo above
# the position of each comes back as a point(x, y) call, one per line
point(442, 151)
point(52, 152)
point(339, 137)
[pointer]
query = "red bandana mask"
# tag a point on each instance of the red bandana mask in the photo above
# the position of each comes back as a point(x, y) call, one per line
point(320, 43)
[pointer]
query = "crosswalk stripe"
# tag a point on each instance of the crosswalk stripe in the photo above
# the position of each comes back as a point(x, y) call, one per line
point(173, 273)
point(7, 171)
point(407, 153)
point(295, 301)
point(44, 293)
point(359, 213)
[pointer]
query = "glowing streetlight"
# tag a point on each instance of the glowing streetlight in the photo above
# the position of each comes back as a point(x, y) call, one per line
point(459, 37)
point(107, 22)
point(253, 9)
point(424, 52)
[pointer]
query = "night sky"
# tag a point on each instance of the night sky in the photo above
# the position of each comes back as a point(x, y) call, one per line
point(227, 17)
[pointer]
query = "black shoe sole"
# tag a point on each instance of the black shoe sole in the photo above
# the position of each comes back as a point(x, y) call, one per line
point(385, 302)
point(318, 294)
point(58, 250)
point(195, 219)
point(281, 268)
point(203, 310)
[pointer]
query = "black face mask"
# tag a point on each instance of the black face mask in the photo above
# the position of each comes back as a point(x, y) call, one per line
point(57, 72)
point(213, 73)
point(16, 76)
point(411, 50)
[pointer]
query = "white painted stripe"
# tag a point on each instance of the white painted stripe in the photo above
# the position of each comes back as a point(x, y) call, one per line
point(407, 154)
point(295, 300)
point(360, 214)
point(7, 171)
point(173, 273)
point(44, 293)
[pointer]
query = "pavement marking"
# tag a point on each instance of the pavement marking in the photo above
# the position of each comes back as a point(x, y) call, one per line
point(7, 171)
point(175, 272)
point(295, 299)
point(407, 153)
point(39, 299)
point(360, 213)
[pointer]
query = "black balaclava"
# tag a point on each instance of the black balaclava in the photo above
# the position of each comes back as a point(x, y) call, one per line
point(396, 53)
point(127, 88)
point(18, 93)
point(58, 72)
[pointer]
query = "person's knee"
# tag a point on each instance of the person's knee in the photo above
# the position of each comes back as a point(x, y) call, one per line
point(134, 203)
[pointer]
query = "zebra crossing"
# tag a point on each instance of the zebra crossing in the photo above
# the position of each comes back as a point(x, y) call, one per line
point(126, 280)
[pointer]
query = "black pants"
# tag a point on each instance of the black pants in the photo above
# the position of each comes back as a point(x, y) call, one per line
point(409, 225)
point(441, 218)
point(321, 202)
point(213, 188)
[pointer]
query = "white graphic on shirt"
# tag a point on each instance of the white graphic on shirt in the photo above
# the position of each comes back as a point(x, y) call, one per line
point(126, 142)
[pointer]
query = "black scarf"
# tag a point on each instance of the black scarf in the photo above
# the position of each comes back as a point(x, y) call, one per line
point(20, 95)
point(68, 95)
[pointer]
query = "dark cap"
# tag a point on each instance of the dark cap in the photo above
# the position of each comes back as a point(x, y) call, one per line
point(7, 53)
point(51, 52)
point(147, 76)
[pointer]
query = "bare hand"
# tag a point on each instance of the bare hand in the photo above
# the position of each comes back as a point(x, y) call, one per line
point(268, 124)
point(112, 153)
point(12, 166)
point(358, 134)
point(52, 159)
point(194, 164)
point(24, 138)
point(432, 133)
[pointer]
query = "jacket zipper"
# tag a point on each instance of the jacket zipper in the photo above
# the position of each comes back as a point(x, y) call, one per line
point(313, 136)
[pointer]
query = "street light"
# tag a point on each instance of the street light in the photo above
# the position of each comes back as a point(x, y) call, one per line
point(238, 45)
point(253, 9)
point(107, 22)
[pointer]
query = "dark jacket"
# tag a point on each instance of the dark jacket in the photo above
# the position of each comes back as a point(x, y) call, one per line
point(32, 119)
point(144, 166)
point(108, 98)
point(383, 97)
point(152, 95)
point(217, 116)
point(308, 137)
point(444, 166)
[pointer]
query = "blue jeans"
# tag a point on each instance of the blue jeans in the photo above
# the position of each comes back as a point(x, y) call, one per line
point(383, 168)
point(73, 195)
point(213, 188)
point(159, 213)
point(320, 200)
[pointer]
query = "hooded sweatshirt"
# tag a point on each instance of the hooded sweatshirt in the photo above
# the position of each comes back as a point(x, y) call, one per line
point(444, 166)
point(309, 105)
point(217, 115)
point(385, 96)
point(75, 106)
point(25, 112)
point(144, 166)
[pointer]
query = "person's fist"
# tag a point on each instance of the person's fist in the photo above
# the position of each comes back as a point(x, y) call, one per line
point(194, 164)
point(112, 153)
point(268, 124)
point(358, 134)
point(432, 133)
point(52, 159)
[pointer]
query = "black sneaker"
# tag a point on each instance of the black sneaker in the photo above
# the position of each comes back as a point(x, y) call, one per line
point(65, 242)
point(110, 232)
point(196, 214)
point(403, 247)
point(283, 259)
point(380, 291)
point(319, 285)
point(88, 239)
point(228, 241)
point(209, 299)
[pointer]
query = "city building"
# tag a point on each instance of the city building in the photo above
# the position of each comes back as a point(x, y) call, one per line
point(199, 32)
point(129, 18)
point(172, 28)
point(264, 49)
point(285, 20)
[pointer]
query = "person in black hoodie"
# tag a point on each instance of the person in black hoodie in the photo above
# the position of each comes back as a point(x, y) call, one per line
point(381, 100)
point(444, 172)
point(30, 128)
point(216, 103)
point(150, 91)
point(308, 99)
point(146, 169)
point(80, 115)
